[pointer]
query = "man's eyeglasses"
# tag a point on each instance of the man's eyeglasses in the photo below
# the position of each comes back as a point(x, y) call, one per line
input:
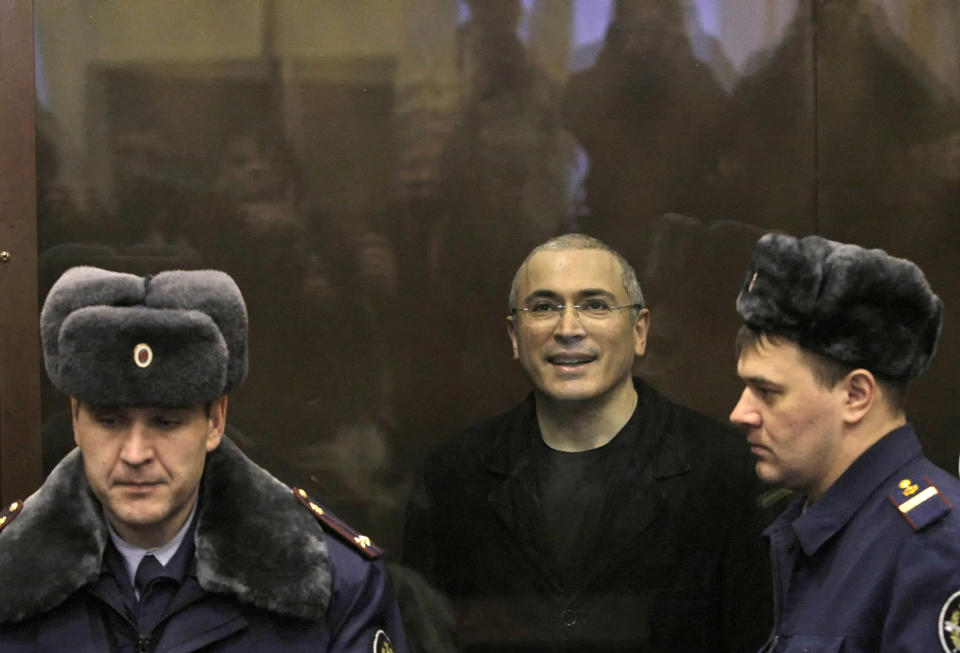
point(544, 312)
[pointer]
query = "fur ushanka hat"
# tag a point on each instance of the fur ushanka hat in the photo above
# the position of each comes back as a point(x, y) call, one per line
point(861, 307)
point(171, 340)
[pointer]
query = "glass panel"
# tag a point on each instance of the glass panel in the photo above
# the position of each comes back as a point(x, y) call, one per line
point(889, 162)
point(372, 173)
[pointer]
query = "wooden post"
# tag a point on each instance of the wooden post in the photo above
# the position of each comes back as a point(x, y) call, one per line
point(20, 446)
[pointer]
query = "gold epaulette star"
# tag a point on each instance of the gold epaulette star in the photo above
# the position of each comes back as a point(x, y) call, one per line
point(9, 513)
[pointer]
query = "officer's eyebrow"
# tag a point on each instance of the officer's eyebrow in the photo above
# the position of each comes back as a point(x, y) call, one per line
point(759, 381)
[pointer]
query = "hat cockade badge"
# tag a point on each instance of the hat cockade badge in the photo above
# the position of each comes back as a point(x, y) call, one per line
point(142, 355)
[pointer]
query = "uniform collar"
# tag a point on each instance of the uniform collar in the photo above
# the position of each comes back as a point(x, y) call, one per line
point(253, 540)
point(843, 499)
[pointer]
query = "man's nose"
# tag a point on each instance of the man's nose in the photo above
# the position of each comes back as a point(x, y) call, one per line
point(569, 325)
point(744, 413)
point(137, 445)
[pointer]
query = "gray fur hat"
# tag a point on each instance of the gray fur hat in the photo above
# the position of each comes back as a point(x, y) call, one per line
point(175, 339)
point(861, 307)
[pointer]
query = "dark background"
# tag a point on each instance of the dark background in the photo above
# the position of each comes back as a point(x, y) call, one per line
point(373, 210)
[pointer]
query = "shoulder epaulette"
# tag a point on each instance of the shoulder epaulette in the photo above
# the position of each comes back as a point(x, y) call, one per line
point(330, 521)
point(10, 513)
point(920, 503)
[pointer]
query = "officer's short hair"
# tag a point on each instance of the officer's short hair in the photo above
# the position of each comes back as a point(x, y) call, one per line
point(827, 372)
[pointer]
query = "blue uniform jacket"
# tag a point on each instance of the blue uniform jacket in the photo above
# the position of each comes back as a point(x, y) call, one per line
point(854, 573)
point(267, 576)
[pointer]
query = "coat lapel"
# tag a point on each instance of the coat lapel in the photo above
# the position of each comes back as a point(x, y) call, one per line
point(636, 500)
point(256, 541)
point(633, 505)
point(514, 498)
point(55, 545)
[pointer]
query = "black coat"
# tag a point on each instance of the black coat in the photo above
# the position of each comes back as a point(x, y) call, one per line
point(677, 565)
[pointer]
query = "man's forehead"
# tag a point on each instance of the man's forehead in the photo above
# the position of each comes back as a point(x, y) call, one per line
point(572, 271)
point(771, 360)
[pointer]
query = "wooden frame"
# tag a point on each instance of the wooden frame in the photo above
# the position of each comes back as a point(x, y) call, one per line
point(20, 446)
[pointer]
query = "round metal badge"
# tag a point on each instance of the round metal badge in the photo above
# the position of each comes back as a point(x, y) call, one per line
point(949, 624)
point(142, 355)
point(381, 643)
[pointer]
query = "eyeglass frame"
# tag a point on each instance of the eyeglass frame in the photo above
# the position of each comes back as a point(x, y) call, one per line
point(559, 309)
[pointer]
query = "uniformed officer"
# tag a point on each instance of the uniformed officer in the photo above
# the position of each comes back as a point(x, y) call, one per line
point(867, 559)
point(157, 533)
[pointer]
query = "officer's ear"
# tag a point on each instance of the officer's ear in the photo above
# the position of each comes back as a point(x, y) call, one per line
point(74, 416)
point(859, 395)
point(216, 422)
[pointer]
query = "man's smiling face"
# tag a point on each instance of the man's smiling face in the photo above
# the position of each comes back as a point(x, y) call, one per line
point(576, 358)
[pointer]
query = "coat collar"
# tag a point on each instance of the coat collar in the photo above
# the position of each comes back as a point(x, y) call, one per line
point(253, 540)
point(840, 503)
point(510, 451)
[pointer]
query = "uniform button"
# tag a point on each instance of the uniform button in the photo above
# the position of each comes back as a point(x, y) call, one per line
point(569, 617)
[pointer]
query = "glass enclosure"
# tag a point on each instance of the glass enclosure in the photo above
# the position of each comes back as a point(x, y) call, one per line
point(372, 173)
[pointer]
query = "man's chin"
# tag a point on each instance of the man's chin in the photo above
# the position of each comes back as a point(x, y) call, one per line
point(139, 511)
point(768, 473)
point(577, 390)
point(142, 515)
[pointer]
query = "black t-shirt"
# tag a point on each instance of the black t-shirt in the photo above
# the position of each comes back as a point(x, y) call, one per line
point(572, 488)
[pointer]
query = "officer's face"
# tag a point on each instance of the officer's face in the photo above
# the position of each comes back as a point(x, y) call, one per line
point(145, 464)
point(793, 423)
point(577, 359)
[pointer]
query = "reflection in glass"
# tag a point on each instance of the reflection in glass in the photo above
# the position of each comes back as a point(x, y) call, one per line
point(373, 174)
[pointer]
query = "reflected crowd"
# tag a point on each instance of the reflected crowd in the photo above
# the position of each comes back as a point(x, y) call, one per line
point(375, 250)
